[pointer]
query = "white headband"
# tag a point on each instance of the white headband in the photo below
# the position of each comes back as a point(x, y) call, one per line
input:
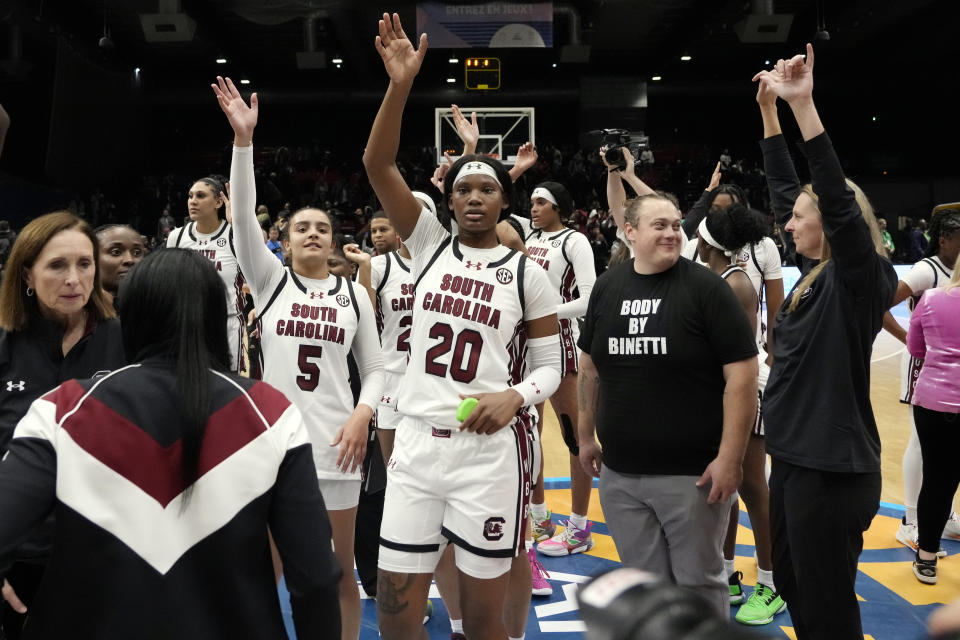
point(540, 192)
point(426, 200)
point(709, 239)
point(477, 168)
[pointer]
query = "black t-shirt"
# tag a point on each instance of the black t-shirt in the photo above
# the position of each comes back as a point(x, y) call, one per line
point(659, 343)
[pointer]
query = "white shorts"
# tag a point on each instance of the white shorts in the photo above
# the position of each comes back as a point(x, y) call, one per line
point(340, 494)
point(446, 485)
point(387, 415)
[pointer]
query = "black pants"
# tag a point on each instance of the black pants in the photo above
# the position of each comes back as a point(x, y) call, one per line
point(939, 435)
point(25, 579)
point(817, 520)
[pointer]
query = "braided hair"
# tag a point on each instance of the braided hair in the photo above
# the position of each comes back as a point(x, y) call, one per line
point(943, 224)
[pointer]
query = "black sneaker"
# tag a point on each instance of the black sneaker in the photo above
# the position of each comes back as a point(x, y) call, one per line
point(736, 588)
point(925, 570)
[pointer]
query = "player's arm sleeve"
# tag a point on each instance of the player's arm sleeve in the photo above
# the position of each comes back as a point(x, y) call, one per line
point(301, 529)
point(172, 237)
point(697, 213)
point(28, 478)
point(257, 263)
point(366, 349)
point(581, 257)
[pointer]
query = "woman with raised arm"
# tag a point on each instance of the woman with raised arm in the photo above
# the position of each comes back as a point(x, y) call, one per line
point(452, 481)
point(820, 428)
point(310, 320)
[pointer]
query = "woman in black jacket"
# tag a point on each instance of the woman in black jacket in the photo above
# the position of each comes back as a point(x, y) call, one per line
point(164, 476)
point(56, 323)
point(821, 432)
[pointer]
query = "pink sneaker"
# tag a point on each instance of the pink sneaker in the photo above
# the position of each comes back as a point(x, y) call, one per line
point(569, 541)
point(540, 585)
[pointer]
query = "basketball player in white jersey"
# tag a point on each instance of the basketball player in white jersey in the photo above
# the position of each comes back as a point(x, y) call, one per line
point(736, 226)
point(212, 237)
point(761, 261)
point(451, 481)
point(309, 322)
point(933, 271)
point(567, 258)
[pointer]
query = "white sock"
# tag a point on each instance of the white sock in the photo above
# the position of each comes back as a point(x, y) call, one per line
point(765, 577)
point(728, 567)
point(538, 511)
point(456, 626)
point(580, 522)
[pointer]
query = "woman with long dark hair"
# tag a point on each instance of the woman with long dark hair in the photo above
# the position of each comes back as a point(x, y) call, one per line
point(164, 476)
point(310, 321)
point(209, 233)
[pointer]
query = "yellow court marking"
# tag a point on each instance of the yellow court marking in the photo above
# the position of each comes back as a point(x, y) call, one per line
point(899, 578)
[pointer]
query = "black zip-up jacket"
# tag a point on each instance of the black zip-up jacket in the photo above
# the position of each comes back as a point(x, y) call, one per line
point(31, 364)
point(816, 405)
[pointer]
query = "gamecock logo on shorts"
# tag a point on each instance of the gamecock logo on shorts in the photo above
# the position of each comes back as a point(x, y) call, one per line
point(493, 528)
point(504, 275)
point(343, 300)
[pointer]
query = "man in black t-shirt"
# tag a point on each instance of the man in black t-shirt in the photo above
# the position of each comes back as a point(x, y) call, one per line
point(669, 381)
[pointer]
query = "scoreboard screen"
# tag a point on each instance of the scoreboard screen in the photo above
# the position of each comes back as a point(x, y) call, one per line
point(482, 74)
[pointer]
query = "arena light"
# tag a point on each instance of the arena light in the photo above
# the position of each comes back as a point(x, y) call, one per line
point(686, 58)
point(221, 61)
point(454, 60)
point(656, 78)
point(451, 80)
point(244, 81)
point(554, 65)
point(337, 61)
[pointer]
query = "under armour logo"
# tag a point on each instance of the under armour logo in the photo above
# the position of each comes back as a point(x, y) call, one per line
point(201, 242)
point(385, 399)
point(19, 386)
point(535, 387)
point(474, 166)
point(316, 294)
point(474, 265)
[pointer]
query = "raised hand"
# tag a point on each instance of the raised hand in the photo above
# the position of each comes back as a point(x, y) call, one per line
point(242, 118)
point(526, 156)
point(468, 130)
point(791, 80)
point(765, 97)
point(400, 59)
point(714, 179)
point(441, 172)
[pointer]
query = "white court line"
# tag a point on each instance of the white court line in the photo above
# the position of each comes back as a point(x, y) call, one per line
point(889, 355)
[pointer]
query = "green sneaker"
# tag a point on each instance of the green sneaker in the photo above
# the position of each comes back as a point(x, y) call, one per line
point(736, 588)
point(761, 606)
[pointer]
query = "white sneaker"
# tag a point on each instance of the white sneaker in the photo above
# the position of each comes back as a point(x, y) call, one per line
point(952, 529)
point(907, 535)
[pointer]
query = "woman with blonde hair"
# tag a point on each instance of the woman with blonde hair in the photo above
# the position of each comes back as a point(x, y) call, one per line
point(820, 430)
